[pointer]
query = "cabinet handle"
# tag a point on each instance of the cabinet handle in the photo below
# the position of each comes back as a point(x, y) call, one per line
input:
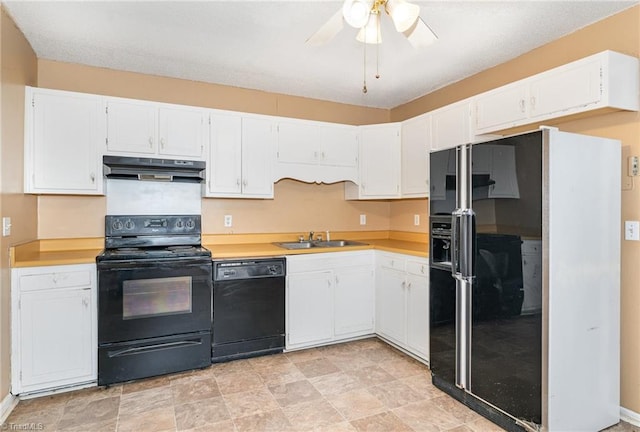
point(150, 142)
point(244, 182)
point(85, 302)
point(532, 102)
point(93, 178)
point(337, 280)
point(161, 142)
point(409, 285)
point(522, 105)
point(422, 269)
point(238, 182)
point(322, 155)
point(404, 284)
point(315, 155)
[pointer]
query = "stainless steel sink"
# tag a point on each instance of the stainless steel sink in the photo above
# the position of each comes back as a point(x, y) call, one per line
point(295, 245)
point(318, 244)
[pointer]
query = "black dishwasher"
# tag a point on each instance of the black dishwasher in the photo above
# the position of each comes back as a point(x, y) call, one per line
point(248, 308)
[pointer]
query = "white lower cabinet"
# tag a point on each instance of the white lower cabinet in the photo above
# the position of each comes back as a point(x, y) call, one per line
point(54, 327)
point(402, 301)
point(330, 297)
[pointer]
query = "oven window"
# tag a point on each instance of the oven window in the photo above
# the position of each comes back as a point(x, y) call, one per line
point(143, 298)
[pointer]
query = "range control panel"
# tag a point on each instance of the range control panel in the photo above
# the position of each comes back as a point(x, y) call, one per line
point(135, 225)
point(250, 269)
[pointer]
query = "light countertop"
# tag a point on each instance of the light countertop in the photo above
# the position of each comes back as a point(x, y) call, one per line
point(84, 251)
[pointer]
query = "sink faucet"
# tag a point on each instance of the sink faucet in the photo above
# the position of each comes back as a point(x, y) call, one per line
point(311, 235)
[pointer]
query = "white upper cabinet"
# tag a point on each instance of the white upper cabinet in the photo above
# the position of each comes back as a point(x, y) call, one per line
point(63, 135)
point(316, 152)
point(452, 126)
point(140, 128)
point(604, 80)
point(380, 149)
point(416, 144)
point(224, 165)
point(241, 157)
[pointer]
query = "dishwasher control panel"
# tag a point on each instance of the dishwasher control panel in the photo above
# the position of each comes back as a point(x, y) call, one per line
point(248, 269)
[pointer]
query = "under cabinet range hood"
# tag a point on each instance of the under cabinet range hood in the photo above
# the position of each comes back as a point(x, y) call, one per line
point(170, 170)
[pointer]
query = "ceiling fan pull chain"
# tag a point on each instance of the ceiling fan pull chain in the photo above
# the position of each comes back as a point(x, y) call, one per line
point(364, 68)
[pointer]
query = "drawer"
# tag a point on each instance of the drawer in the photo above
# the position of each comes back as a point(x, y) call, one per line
point(418, 267)
point(51, 280)
point(328, 261)
point(392, 262)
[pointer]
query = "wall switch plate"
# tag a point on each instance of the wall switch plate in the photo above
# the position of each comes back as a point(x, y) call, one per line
point(6, 226)
point(416, 220)
point(633, 166)
point(632, 230)
point(228, 221)
point(363, 219)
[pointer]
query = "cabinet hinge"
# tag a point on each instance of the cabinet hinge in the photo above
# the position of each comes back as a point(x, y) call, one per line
point(20, 376)
point(33, 102)
point(601, 81)
point(106, 142)
point(106, 110)
point(277, 155)
point(20, 304)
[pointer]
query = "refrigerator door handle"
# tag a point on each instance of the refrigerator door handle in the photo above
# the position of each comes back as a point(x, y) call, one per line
point(467, 244)
point(455, 243)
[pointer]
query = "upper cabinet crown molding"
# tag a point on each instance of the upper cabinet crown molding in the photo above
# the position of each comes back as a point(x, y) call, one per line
point(607, 80)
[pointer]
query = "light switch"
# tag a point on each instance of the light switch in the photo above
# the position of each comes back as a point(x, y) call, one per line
point(416, 220)
point(363, 219)
point(6, 226)
point(632, 230)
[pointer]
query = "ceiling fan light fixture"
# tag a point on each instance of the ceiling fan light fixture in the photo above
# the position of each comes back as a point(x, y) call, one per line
point(356, 12)
point(403, 14)
point(371, 33)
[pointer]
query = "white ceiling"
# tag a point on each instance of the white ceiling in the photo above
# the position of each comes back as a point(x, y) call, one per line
point(261, 44)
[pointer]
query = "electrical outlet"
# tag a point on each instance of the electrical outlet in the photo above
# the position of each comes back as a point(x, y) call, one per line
point(228, 221)
point(633, 166)
point(632, 230)
point(6, 226)
point(416, 220)
point(363, 219)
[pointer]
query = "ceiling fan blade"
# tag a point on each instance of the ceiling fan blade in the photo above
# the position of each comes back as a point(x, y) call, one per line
point(420, 35)
point(328, 30)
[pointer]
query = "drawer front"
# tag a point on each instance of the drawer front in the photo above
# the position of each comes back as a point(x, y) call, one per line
point(418, 267)
point(395, 262)
point(51, 280)
point(328, 261)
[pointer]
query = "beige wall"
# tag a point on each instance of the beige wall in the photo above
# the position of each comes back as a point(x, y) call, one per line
point(619, 33)
point(19, 68)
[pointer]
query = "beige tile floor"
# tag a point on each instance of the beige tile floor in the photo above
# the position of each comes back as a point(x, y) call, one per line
point(358, 386)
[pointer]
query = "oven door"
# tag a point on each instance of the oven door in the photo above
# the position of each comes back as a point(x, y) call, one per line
point(142, 299)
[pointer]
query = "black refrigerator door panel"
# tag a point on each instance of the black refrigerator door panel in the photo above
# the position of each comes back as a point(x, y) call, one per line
point(506, 346)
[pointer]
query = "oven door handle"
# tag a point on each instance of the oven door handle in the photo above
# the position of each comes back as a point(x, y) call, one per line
point(150, 348)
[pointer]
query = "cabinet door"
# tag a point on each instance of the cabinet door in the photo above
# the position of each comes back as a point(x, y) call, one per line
point(224, 167)
point(502, 108)
point(131, 127)
point(56, 338)
point(451, 126)
point(309, 308)
point(298, 142)
point(418, 314)
point(258, 158)
point(380, 161)
point(354, 300)
point(339, 146)
point(182, 132)
point(390, 304)
point(503, 172)
point(62, 152)
point(416, 143)
point(566, 88)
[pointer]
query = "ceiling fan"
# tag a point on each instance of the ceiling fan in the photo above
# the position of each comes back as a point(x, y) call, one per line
point(365, 15)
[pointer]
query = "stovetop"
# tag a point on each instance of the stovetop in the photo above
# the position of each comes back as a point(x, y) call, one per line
point(133, 253)
point(130, 237)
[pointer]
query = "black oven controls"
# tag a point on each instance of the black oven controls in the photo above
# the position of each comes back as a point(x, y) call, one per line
point(129, 224)
point(179, 223)
point(190, 224)
point(118, 225)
